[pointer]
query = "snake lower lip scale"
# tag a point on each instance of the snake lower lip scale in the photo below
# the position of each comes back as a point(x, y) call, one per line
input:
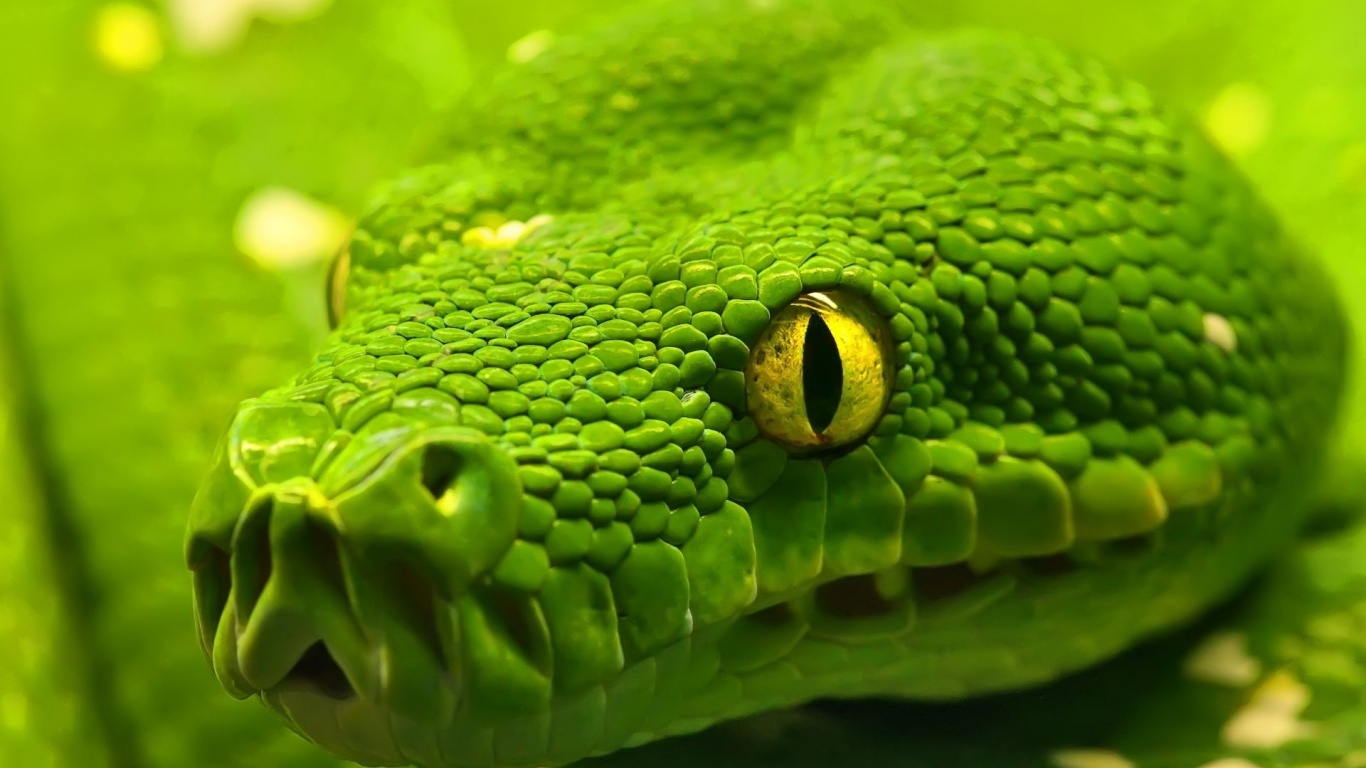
point(743, 354)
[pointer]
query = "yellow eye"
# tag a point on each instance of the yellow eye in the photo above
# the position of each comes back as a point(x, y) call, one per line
point(821, 374)
point(337, 274)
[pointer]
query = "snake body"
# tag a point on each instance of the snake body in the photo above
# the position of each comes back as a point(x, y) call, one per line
point(741, 354)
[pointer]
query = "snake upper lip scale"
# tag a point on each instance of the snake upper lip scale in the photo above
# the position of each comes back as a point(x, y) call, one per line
point(743, 354)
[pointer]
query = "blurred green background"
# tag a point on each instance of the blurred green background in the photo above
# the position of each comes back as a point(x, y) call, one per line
point(173, 176)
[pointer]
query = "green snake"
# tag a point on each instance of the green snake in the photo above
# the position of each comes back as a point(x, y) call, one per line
point(740, 355)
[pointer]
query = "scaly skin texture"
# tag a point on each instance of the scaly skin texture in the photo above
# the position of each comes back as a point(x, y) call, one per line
point(520, 509)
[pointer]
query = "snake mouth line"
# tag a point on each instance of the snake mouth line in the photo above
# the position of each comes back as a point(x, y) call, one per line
point(893, 601)
point(864, 605)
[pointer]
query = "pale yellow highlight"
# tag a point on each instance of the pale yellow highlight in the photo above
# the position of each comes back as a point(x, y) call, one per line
point(1239, 118)
point(280, 228)
point(1231, 762)
point(1089, 758)
point(531, 46)
point(1223, 659)
point(1220, 333)
point(504, 235)
point(214, 26)
point(1271, 717)
point(128, 37)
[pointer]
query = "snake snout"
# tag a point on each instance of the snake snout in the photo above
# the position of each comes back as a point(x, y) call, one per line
point(341, 593)
point(309, 611)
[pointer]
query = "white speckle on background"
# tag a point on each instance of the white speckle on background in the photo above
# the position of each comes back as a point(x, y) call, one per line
point(1089, 758)
point(1220, 333)
point(1238, 118)
point(1222, 659)
point(530, 46)
point(212, 26)
point(128, 37)
point(1272, 717)
point(282, 229)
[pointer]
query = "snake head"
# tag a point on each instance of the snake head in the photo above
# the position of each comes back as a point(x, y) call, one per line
point(782, 361)
point(447, 544)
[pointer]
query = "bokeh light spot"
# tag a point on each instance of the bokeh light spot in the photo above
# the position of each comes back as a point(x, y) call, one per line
point(1223, 659)
point(1089, 758)
point(1272, 716)
point(128, 37)
point(283, 229)
point(1231, 762)
point(530, 46)
point(1239, 118)
point(1219, 332)
point(213, 26)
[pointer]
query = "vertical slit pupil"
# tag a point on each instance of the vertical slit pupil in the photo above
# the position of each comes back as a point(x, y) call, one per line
point(822, 374)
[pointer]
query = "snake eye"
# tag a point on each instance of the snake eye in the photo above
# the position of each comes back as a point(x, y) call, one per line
point(337, 273)
point(821, 374)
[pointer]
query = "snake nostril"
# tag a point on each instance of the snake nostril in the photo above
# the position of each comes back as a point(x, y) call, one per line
point(440, 466)
point(318, 668)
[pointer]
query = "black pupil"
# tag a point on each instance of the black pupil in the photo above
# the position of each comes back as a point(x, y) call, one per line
point(822, 374)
